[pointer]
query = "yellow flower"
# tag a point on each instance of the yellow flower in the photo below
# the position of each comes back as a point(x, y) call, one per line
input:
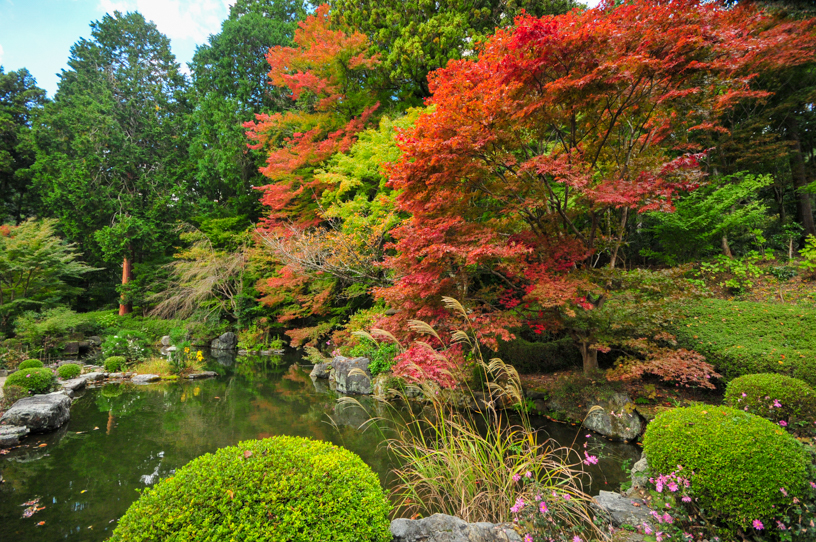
point(186, 349)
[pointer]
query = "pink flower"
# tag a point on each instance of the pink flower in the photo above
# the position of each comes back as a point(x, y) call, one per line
point(667, 518)
point(528, 538)
point(777, 404)
point(673, 487)
point(566, 497)
point(813, 485)
point(647, 529)
point(758, 525)
point(542, 507)
point(590, 459)
point(576, 538)
point(782, 489)
point(686, 498)
point(28, 376)
point(528, 474)
point(518, 506)
point(781, 526)
point(659, 486)
point(744, 394)
point(783, 423)
point(516, 477)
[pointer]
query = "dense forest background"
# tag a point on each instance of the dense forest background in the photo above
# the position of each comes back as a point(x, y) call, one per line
point(568, 174)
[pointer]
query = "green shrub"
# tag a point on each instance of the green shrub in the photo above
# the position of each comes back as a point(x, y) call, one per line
point(34, 380)
point(741, 337)
point(115, 364)
point(278, 489)
point(30, 364)
point(68, 371)
point(736, 462)
point(380, 354)
point(772, 396)
point(131, 345)
point(12, 394)
point(533, 357)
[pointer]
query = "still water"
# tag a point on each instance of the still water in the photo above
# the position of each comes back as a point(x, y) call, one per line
point(124, 438)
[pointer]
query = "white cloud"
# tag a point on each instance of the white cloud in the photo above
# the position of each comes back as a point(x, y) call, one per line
point(178, 19)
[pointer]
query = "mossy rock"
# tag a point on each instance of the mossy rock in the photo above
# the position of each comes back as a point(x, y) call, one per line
point(279, 489)
point(736, 462)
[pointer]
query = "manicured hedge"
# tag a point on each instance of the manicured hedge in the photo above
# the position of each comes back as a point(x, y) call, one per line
point(114, 364)
point(741, 337)
point(774, 397)
point(69, 371)
point(736, 462)
point(278, 489)
point(532, 357)
point(36, 380)
point(30, 364)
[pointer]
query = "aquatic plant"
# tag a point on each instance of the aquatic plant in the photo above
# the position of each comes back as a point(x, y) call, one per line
point(277, 489)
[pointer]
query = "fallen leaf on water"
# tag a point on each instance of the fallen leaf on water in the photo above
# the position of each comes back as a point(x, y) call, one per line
point(40, 524)
point(90, 526)
point(32, 502)
point(216, 398)
point(79, 432)
point(31, 510)
point(83, 491)
point(95, 428)
point(4, 452)
point(247, 454)
point(42, 445)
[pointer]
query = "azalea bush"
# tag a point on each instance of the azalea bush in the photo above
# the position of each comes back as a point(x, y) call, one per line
point(30, 364)
point(69, 371)
point(787, 401)
point(34, 380)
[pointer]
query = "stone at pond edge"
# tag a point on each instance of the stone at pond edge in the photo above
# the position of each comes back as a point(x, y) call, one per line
point(145, 379)
point(617, 418)
point(640, 472)
point(321, 370)
point(352, 375)
point(39, 413)
point(227, 341)
point(94, 377)
point(74, 385)
point(444, 528)
point(10, 435)
point(203, 374)
point(622, 510)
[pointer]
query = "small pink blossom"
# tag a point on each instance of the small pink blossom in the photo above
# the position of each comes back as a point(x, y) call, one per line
point(782, 489)
point(528, 474)
point(777, 404)
point(518, 506)
point(647, 529)
point(528, 538)
point(686, 498)
point(590, 459)
point(783, 423)
point(542, 507)
point(758, 525)
point(744, 394)
point(516, 477)
point(781, 526)
point(576, 538)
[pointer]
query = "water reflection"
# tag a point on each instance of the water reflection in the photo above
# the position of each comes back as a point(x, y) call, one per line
point(122, 438)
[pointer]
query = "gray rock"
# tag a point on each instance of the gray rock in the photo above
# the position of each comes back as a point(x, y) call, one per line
point(72, 348)
point(227, 341)
point(352, 375)
point(443, 528)
point(616, 418)
point(39, 413)
point(321, 370)
point(116, 376)
point(10, 435)
point(145, 379)
point(320, 385)
point(202, 374)
point(165, 341)
point(94, 377)
point(623, 510)
point(640, 472)
point(95, 340)
point(74, 385)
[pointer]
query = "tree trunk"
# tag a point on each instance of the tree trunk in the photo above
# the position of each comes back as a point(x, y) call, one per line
point(589, 356)
point(127, 274)
point(804, 207)
point(725, 248)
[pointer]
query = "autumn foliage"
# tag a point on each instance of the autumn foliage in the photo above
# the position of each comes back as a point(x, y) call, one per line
point(532, 159)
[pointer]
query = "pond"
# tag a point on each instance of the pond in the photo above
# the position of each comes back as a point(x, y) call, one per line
point(124, 438)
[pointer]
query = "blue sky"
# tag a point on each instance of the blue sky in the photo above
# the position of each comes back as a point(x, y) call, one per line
point(38, 34)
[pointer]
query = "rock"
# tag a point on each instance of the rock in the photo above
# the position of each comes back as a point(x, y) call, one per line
point(94, 377)
point(72, 348)
point(352, 375)
point(227, 341)
point(225, 358)
point(640, 472)
point(622, 510)
point(616, 418)
point(202, 374)
point(145, 379)
point(321, 370)
point(39, 413)
point(95, 340)
point(350, 414)
point(10, 435)
point(320, 385)
point(74, 385)
point(116, 376)
point(165, 341)
point(443, 528)
point(380, 386)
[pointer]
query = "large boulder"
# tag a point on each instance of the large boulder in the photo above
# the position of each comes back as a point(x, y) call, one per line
point(615, 418)
point(39, 413)
point(227, 341)
point(623, 510)
point(352, 375)
point(444, 528)
point(74, 385)
point(10, 435)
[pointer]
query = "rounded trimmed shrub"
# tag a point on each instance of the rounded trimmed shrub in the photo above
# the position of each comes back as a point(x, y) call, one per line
point(114, 364)
point(37, 380)
point(736, 462)
point(30, 364)
point(69, 371)
point(773, 396)
point(278, 489)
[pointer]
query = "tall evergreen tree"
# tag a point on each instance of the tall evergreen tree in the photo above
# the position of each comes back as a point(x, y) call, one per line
point(230, 85)
point(112, 148)
point(20, 100)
